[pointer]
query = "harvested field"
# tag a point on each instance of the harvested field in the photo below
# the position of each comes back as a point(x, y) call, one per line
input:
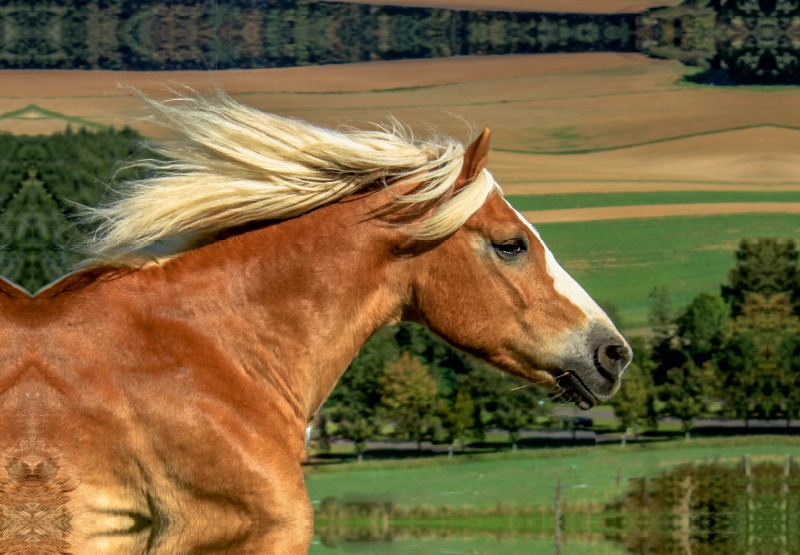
point(562, 122)
point(764, 154)
point(659, 211)
point(558, 6)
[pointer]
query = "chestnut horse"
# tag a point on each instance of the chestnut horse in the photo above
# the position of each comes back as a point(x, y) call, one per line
point(157, 399)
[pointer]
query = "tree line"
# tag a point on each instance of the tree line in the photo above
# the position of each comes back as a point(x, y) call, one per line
point(725, 38)
point(183, 34)
point(407, 383)
point(41, 179)
point(733, 354)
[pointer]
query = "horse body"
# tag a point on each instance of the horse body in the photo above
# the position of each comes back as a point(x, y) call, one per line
point(163, 406)
point(125, 355)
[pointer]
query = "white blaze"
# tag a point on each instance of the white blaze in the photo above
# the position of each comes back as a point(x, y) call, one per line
point(565, 283)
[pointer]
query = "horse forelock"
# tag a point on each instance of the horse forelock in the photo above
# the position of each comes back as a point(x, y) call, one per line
point(231, 165)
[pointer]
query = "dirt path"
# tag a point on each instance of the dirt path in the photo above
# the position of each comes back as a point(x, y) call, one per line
point(557, 6)
point(658, 211)
point(564, 188)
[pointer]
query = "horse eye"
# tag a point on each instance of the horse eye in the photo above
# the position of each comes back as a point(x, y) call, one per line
point(511, 248)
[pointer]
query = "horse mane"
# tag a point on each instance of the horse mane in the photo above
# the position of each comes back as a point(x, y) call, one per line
point(230, 165)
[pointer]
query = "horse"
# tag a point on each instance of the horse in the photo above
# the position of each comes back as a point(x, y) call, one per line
point(157, 398)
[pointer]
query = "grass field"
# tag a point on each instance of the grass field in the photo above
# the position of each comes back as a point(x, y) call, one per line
point(488, 545)
point(621, 261)
point(528, 478)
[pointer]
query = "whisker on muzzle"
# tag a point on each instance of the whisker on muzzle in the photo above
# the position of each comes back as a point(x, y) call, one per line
point(537, 383)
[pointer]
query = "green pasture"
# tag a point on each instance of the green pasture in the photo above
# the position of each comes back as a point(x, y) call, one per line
point(620, 261)
point(590, 200)
point(528, 478)
point(467, 545)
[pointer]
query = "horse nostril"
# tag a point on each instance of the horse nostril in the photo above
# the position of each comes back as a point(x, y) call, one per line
point(613, 359)
point(612, 352)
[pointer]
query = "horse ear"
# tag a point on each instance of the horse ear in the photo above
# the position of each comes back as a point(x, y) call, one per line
point(475, 158)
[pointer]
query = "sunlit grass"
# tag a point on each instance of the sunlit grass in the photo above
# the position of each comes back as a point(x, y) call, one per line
point(620, 261)
point(528, 478)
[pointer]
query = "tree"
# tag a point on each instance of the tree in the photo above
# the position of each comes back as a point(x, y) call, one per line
point(444, 363)
point(664, 352)
point(324, 441)
point(457, 416)
point(737, 375)
point(765, 267)
point(516, 410)
point(356, 427)
point(634, 404)
point(756, 368)
point(355, 401)
point(684, 358)
point(789, 356)
point(502, 401)
point(702, 327)
point(484, 385)
point(41, 178)
point(685, 391)
point(409, 398)
point(659, 312)
point(359, 388)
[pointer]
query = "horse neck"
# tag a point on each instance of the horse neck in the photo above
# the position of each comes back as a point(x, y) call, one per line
point(297, 299)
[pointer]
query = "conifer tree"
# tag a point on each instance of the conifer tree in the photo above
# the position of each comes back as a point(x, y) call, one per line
point(765, 267)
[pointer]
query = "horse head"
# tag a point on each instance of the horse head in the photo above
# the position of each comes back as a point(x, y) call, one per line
point(494, 290)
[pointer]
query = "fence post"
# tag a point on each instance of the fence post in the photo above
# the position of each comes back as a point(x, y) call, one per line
point(787, 473)
point(748, 501)
point(557, 515)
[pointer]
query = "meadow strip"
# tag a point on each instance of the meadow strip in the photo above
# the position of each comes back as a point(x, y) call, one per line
point(528, 478)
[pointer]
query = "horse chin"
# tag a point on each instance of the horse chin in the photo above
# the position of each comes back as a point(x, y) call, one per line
point(574, 390)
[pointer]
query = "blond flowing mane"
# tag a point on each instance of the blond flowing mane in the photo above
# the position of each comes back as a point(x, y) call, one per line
point(231, 164)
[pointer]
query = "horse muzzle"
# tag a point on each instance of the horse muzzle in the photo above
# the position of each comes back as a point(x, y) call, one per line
point(592, 370)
